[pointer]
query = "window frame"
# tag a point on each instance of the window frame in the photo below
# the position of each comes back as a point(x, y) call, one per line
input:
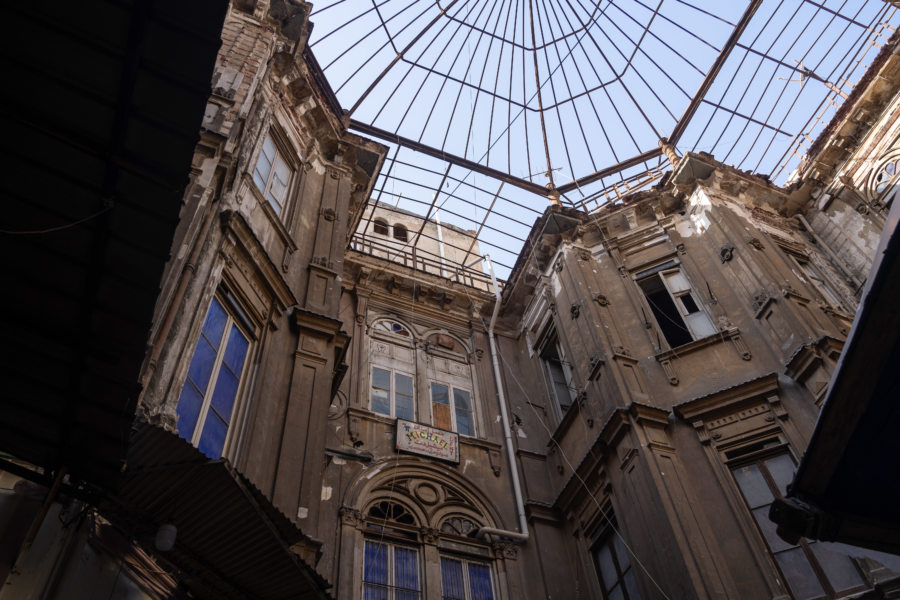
point(663, 274)
point(451, 388)
point(391, 588)
point(758, 458)
point(282, 152)
point(465, 562)
point(394, 372)
point(393, 534)
point(379, 223)
point(236, 318)
point(550, 340)
point(606, 538)
point(400, 232)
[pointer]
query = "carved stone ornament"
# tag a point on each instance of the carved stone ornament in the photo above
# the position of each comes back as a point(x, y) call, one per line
point(575, 310)
point(430, 535)
point(756, 243)
point(862, 208)
point(350, 516)
point(622, 351)
point(601, 299)
point(329, 214)
point(759, 300)
point(558, 267)
point(505, 550)
point(670, 371)
point(584, 255)
point(726, 252)
point(681, 249)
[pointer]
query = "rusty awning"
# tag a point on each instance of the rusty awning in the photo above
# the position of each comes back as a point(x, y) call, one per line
point(231, 541)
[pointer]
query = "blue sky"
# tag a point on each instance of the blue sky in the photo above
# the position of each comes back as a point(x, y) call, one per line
point(613, 78)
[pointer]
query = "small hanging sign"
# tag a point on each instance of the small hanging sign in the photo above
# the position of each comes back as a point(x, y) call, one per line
point(427, 441)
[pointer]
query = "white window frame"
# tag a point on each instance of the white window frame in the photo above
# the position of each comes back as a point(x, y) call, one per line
point(278, 205)
point(394, 372)
point(451, 387)
point(698, 324)
point(235, 317)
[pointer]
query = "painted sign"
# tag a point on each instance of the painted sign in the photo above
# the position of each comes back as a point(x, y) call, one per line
point(427, 441)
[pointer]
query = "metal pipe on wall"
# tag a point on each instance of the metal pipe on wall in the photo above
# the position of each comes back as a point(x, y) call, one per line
point(522, 534)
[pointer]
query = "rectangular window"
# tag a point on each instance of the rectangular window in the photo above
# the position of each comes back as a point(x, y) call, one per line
point(392, 394)
point(451, 408)
point(558, 374)
point(272, 174)
point(391, 572)
point(675, 306)
point(613, 563)
point(208, 396)
point(463, 579)
point(812, 570)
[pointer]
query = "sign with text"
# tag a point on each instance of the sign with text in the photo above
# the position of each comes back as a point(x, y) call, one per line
point(427, 441)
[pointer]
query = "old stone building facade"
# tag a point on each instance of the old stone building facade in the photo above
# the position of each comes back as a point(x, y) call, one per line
point(613, 422)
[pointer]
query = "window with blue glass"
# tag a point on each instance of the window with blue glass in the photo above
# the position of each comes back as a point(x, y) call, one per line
point(206, 405)
point(463, 579)
point(391, 572)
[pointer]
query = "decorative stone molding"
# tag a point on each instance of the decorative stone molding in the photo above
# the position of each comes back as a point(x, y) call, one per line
point(430, 535)
point(351, 516)
point(749, 408)
point(756, 243)
point(575, 310)
point(671, 375)
point(726, 253)
point(506, 550)
point(601, 299)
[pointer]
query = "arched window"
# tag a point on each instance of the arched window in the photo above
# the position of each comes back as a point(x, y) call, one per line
point(391, 327)
point(400, 232)
point(415, 516)
point(459, 525)
point(380, 226)
point(391, 511)
point(391, 566)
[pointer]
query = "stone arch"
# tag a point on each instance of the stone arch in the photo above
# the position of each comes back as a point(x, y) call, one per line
point(435, 492)
point(465, 345)
point(380, 226)
point(383, 318)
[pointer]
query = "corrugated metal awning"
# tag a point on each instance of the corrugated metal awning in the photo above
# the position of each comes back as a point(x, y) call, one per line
point(231, 541)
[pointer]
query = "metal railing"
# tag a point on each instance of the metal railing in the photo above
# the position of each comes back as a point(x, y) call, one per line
point(421, 260)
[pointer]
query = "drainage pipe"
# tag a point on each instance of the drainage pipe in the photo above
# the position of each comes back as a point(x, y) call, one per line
point(522, 534)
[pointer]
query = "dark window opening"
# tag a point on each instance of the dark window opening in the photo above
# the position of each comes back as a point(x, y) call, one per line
point(400, 233)
point(612, 561)
point(689, 305)
point(391, 511)
point(666, 313)
point(380, 227)
point(556, 373)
